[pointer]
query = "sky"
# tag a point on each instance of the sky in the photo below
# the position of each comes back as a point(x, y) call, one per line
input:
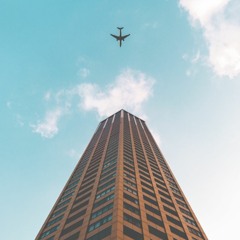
point(61, 73)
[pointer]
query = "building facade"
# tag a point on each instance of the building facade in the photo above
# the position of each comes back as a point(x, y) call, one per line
point(122, 188)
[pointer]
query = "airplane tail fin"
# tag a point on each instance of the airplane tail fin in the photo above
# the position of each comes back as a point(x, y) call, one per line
point(120, 28)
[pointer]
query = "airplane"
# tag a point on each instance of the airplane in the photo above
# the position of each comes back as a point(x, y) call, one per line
point(120, 38)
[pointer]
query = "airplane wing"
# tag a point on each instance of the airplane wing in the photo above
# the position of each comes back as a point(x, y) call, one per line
point(117, 37)
point(123, 37)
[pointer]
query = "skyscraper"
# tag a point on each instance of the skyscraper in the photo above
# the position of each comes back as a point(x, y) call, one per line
point(122, 188)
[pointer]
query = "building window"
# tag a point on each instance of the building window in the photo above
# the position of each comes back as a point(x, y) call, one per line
point(100, 223)
point(182, 204)
point(151, 209)
point(97, 204)
point(129, 183)
point(158, 233)
point(106, 185)
point(131, 208)
point(72, 227)
point(50, 231)
point(66, 197)
point(178, 232)
point(76, 216)
point(132, 234)
point(75, 236)
point(190, 221)
point(107, 178)
point(155, 220)
point(62, 204)
point(105, 192)
point(185, 212)
point(131, 199)
point(58, 212)
point(175, 221)
point(130, 190)
point(102, 210)
point(194, 231)
point(150, 200)
point(170, 211)
point(132, 220)
point(148, 192)
point(102, 234)
point(129, 176)
point(167, 202)
point(54, 220)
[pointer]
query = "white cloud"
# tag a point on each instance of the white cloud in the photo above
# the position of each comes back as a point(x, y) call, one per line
point(47, 96)
point(84, 72)
point(129, 91)
point(48, 127)
point(74, 154)
point(220, 21)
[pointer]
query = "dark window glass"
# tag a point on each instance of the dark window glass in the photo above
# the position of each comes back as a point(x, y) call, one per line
point(132, 234)
point(99, 223)
point(108, 190)
point(54, 221)
point(150, 200)
point(78, 207)
point(74, 236)
point(84, 191)
point(102, 201)
point(194, 231)
point(177, 196)
point(131, 199)
point(178, 232)
point(76, 216)
point(190, 221)
point(50, 231)
point(158, 233)
point(106, 185)
point(185, 212)
point(170, 210)
point(58, 212)
point(148, 192)
point(132, 220)
point(130, 190)
point(107, 178)
point(167, 202)
point(155, 220)
point(164, 194)
point(182, 204)
point(131, 208)
point(86, 196)
point(173, 220)
point(146, 185)
point(129, 183)
point(102, 234)
point(151, 209)
point(62, 204)
point(102, 210)
point(72, 227)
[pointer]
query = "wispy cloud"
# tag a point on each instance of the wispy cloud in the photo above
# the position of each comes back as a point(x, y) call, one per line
point(84, 72)
point(220, 21)
point(47, 96)
point(129, 91)
point(49, 126)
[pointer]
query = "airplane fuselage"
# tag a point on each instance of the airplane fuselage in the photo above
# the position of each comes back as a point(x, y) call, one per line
point(120, 38)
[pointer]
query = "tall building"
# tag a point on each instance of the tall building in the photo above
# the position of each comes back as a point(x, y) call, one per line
point(122, 188)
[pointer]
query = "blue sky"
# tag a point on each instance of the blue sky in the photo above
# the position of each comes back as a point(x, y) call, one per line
point(61, 73)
